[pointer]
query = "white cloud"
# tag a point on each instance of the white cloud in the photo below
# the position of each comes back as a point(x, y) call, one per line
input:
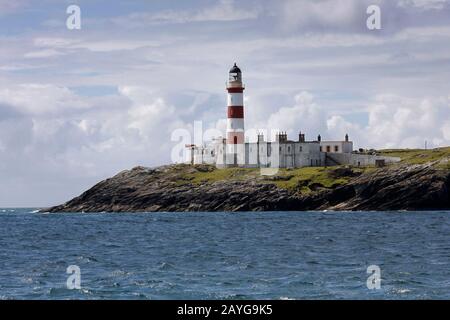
point(41, 99)
point(305, 115)
point(325, 13)
point(403, 122)
point(17, 67)
point(55, 43)
point(63, 134)
point(43, 54)
point(151, 116)
point(226, 10)
point(223, 10)
point(7, 6)
point(424, 4)
point(399, 122)
point(394, 122)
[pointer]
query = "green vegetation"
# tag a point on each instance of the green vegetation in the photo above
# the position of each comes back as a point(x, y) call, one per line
point(419, 156)
point(302, 180)
point(309, 179)
point(306, 179)
point(230, 174)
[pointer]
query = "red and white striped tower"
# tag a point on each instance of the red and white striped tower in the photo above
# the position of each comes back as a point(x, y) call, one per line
point(235, 121)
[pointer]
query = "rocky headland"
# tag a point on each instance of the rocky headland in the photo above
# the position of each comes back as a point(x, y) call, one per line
point(421, 181)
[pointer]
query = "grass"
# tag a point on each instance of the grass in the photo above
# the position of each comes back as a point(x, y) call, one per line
point(308, 179)
point(229, 174)
point(304, 180)
point(418, 156)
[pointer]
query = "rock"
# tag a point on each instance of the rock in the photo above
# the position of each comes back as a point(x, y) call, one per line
point(343, 172)
point(171, 188)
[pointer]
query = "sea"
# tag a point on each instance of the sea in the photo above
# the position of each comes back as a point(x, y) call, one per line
point(220, 255)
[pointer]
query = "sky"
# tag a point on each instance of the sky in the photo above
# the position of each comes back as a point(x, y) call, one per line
point(78, 106)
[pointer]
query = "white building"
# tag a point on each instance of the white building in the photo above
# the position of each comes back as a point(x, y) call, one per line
point(345, 146)
point(232, 151)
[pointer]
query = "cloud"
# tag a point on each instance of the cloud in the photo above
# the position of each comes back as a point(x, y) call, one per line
point(305, 116)
point(350, 16)
point(424, 4)
point(17, 67)
point(403, 122)
point(399, 122)
point(35, 99)
point(63, 134)
point(43, 54)
point(56, 45)
point(7, 7)
point(393, 122)
point(336, 14)
point(226, 10)
point(222, 11)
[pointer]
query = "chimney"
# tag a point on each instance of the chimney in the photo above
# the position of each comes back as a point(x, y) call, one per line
point(260, 137)
point(301, 137)
point(281, 137)
point(319, 138)
point(346, 137)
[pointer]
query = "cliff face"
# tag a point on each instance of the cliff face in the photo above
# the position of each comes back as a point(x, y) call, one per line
point(204, 188)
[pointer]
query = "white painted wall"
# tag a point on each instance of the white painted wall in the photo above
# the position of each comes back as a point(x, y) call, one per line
point(360, 159)
point(235, 124)
point(343, 146)
point(235, 99)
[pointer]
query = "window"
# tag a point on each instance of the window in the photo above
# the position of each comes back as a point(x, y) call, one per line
point(300, 149)
point(328, 149)
point(235, 140)
point(320, 148)
point(336, 148)
point(289, 149)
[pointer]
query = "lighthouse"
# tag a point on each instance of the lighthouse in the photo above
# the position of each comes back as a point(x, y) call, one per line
point(235, 118)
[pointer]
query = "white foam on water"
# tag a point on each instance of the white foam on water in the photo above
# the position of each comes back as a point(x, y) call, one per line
point(286, 298)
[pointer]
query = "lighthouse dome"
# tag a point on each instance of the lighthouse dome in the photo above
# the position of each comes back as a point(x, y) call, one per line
point(235, 69)
point(235, 74)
